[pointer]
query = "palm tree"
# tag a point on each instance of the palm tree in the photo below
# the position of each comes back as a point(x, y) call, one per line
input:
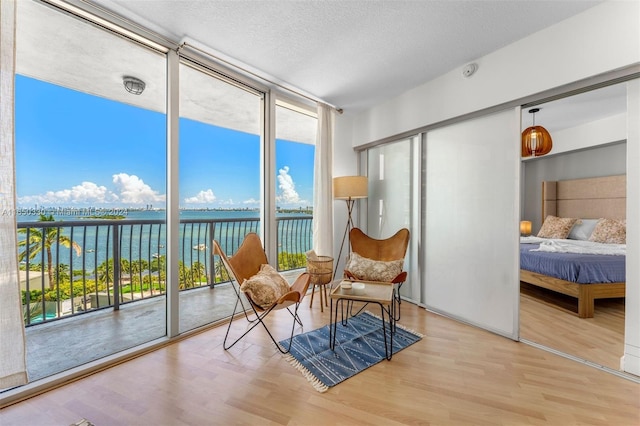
point(104, 272)
point(198, 271)
point(44, 238)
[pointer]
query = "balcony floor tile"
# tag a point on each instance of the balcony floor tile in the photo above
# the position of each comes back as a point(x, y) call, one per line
point(66, 343)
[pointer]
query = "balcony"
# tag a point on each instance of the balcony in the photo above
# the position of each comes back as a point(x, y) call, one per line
point(92, 288)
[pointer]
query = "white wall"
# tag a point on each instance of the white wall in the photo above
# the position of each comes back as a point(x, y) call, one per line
point(600, 40)
point(345, 163)
point(599, 132)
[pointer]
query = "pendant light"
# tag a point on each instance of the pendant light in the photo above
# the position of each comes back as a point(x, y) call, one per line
point(536, 140)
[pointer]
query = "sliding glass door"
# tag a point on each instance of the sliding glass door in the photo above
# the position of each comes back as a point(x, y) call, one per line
point(393, 172)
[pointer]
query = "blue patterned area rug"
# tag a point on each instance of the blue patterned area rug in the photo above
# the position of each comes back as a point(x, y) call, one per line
point(359, 345)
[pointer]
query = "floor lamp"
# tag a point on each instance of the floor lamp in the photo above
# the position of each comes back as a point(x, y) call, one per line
point(348, 188)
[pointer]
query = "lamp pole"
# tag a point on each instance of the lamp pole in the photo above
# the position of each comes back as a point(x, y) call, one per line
point(350, 204)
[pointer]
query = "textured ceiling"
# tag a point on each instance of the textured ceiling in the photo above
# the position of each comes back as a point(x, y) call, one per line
point(352, 54)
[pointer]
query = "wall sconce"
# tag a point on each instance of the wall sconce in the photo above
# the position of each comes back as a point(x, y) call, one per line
point(525, 227)
point(536, 140)
point(133, 85)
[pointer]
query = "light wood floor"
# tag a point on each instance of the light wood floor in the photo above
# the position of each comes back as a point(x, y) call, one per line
point(551, 319)
point(456, 375)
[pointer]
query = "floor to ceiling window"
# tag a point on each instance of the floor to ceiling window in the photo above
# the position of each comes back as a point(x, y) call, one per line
point(90, 175)
point(296, 129)
point(94, 179)
point(221, 129)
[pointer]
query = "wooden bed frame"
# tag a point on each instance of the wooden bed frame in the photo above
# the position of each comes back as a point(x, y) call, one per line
point(590, 198)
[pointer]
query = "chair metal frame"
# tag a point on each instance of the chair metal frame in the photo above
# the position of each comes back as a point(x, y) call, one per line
point(245, 263)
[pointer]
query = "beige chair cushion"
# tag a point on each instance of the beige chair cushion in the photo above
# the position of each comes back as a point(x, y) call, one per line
point(373, 270)
point(265, 287)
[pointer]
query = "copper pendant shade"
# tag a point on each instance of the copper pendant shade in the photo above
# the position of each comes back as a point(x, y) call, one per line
point(536, 140)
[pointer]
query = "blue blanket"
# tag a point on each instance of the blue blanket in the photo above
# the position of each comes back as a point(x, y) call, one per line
point(577, 268)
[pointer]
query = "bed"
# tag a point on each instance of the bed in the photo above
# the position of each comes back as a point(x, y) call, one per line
point(585, 277)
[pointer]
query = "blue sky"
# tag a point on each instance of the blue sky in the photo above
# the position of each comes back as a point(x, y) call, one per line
point(74, 149)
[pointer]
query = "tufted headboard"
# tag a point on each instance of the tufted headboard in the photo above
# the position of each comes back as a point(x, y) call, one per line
point(590, 198)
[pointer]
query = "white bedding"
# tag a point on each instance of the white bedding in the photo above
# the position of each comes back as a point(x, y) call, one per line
point(575, 246)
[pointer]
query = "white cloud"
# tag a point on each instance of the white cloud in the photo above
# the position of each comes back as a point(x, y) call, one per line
point(287, 187)
point(129, 189)
point(86, 192)
point(202, 197)
point(251, 201)
point(133, 190)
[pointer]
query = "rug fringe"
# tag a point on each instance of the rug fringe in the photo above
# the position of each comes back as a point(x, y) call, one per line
point(315, 382)
point(410, 330)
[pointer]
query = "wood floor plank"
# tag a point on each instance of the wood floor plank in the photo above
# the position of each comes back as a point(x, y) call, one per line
point(550, 319)
point(456, 375)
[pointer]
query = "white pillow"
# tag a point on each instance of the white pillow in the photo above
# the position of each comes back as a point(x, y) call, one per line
point(582, 229)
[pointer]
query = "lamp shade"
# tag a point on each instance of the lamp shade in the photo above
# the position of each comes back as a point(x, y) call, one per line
point(536, 141)
point(350, 187)
point(525, 227)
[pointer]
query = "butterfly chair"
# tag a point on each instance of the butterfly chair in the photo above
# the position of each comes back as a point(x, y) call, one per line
point(264, 288)
point(379, 260)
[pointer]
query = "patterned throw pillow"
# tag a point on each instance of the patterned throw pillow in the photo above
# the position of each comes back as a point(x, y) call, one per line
point(610, 231)
point(265, 287)
point(556, 227)
point(373, 270)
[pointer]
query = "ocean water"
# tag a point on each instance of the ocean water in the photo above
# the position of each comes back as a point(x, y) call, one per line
point(148, 241)
point(72, 214)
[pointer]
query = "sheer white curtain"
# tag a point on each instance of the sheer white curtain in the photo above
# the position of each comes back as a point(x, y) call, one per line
point(13, 365)
point(322, 196)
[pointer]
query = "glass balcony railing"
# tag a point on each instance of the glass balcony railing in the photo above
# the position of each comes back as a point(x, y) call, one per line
point(71, 267)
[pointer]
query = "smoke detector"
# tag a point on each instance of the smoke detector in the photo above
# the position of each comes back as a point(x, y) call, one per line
point(469, 69)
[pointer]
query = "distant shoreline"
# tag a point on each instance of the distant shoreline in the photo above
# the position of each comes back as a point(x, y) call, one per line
point(75, 213)
point(120, 211)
